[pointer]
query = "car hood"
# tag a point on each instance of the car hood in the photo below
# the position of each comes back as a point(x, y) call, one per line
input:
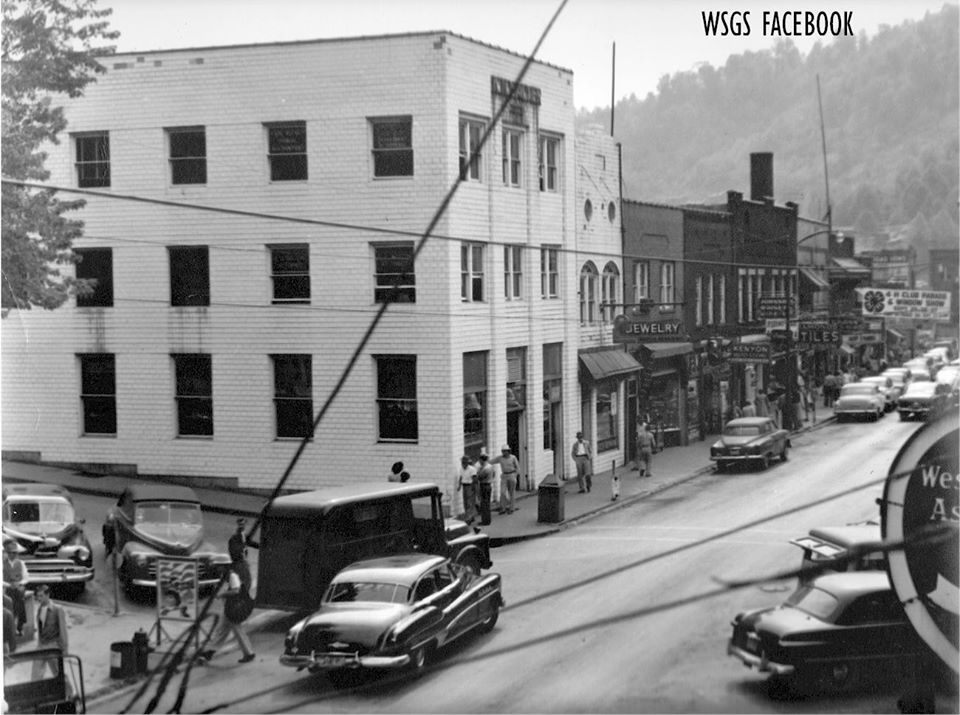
point(51, 535)
point(354, 623)
point(169, 538)
point(919, 399)
point(151, 547)
point(857, 401)
point(738, 440)
point(780, 621)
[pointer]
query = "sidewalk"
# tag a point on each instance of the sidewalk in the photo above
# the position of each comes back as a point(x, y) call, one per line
point(100, 627)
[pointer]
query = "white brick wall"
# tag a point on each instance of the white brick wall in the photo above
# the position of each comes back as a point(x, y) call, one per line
point(334, 86)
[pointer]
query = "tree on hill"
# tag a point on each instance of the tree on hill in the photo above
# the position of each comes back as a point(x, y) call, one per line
point(49, 47)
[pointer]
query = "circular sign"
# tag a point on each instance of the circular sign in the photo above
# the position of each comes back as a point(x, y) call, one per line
point(920, 499)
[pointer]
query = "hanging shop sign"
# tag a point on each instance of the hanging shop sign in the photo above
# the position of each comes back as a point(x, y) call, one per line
point(776, 306)
point(817, 336)
point(627, 330)
point(920, 507)
point(905, 303)
point(750, 353)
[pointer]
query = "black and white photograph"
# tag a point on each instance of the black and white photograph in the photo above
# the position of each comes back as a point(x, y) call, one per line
point(545, 356)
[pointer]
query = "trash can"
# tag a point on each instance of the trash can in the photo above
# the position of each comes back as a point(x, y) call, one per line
point(550, 500)
point(122, 661)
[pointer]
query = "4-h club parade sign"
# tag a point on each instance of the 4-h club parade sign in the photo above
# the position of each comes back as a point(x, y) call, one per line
point(905, 303)
point(920, 508)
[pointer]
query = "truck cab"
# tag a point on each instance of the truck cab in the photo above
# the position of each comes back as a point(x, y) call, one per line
point(44, 680)
point(308, 537)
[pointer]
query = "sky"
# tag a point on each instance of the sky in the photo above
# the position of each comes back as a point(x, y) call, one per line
point(653, 37)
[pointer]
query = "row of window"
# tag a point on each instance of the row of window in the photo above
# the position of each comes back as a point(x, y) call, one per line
point(710, 307)
point(396, 403)
point(394, 278)
point(286, 152)
point(641, 282)
point(757, 282)
point(602, 305)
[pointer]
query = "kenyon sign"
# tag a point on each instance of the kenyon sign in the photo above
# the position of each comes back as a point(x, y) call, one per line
point(749, 353)
point(920, 500)
point(905, 303)
point(626, 330)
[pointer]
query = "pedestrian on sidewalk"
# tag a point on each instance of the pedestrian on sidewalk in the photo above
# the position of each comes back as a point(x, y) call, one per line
point(9, 626)
point(748, 410)
point(51, 631)
point(484, 488)
point(467, 482)
point(237, 607)
point(646, 446)
point(15, 576)
point(237, 548)
point(583, 458)
point(509, 472)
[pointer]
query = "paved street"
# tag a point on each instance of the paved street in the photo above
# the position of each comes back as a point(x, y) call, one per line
point(592, 604)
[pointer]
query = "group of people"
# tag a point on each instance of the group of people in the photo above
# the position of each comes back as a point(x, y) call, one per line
point(475, 481)
point(582, 453)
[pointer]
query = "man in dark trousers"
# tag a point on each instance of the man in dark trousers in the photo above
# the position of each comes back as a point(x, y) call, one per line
point(583, 458)
point(237, 548)
point(51, 631)
point(484, 487)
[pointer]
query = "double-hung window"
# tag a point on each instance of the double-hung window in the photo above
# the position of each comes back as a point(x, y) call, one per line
point(98, 393)
point(548, 156)
point(470, 132)
point(711, 316)
point(641, 281)
point(394, 279)
point(194, 384)
point(609, 291)
point(95, 265)
point(397, 397)
point(188, 155)
point(392, 146)
point(293, 395)
point(698, 303)
point(512, 145)
point(512, 272)
point(93, 159)
point(474, 402)
point(287, 151)
point(667, 288)
point(471, 272)
point(290, 273)
point(549, 272)
point(189, 275)
point(588, 293)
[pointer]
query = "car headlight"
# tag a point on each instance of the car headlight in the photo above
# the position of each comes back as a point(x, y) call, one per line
point(140, 559)
point(290, 642)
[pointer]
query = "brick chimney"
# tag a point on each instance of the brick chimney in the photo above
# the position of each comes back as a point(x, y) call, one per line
point(761, 176)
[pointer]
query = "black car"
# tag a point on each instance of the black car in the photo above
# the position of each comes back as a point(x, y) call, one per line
point(924, 400)
point(42, 519)
point(750, 439)
point(831, 634)
point(392, 612)
point(153, 520)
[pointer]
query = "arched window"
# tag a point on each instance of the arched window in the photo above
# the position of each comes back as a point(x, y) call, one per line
point(588, 293)
point(610, 294)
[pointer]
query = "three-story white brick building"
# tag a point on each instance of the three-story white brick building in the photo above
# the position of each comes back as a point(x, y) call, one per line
point(251, 209)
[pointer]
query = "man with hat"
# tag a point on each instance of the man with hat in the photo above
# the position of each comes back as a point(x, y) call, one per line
point(583, 459)
point(509, 471)
point(15, 579)
point(484, 487)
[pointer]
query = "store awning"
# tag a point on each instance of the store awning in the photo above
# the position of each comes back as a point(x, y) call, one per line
point(895, 334)
point(851, 267)
point(608, 363)
point(659, 351)
point(755, 338)
point(815, 279)
point(847, 349)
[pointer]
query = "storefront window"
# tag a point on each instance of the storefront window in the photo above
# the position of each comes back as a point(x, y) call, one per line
point(607, 432)
point(552, 392)
point(474, 402)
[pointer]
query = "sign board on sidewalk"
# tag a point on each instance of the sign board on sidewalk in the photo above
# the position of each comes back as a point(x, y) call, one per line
point(177, 579)
point(920, 507)
point(750, 353)
point(905, 303)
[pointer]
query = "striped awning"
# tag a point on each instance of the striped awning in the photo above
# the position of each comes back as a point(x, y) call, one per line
point(602, 364)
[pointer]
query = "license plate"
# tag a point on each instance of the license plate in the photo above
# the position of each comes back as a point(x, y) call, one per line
point(330, 661)
point(734, 450)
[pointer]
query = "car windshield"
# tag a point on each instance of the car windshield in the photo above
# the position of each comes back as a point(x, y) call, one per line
point(376, 591)
point(813, 601)
point(741, 430)
point(859, 389)
point(39, 516)
point(174, 521)
point(921, 389)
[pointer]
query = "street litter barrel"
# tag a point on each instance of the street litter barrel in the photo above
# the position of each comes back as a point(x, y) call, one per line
point(122, 661)
point(550, 500)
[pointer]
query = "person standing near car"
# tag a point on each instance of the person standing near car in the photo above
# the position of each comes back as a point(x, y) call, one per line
point(509, 471)
point(237, 606)
point(467, 483)
point(237, 548)
point(15, 578)
point(582, 457)
point(484, 488)
point(51, 631)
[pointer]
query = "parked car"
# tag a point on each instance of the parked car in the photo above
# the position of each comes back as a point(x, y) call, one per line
point(949, 375)
point(153, 520)
point(830, 634)
point(390, 613)
point(750, 439)
point(891, 392)
point(860, 399)
point(923, 400)
point(920, 369)
point(938, 357)
point(899, 375)
point(42, 520)
point(43, 680)
point(824, 545)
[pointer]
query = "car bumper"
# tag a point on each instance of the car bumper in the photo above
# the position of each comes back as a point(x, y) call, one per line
point(152, 582)
point(734, 457)
point(52, 578)
point(751, 660)
point(320, 662)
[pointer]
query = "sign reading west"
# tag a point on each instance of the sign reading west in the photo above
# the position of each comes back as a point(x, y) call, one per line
point(905, 303)
point(626, 330)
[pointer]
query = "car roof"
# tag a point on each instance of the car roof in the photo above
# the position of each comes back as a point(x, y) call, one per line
point(848, 585)
point(925, 387)
point(150, 491)
point(323, 500)
point(34, 489)
point(404, 569)
point(748, 421)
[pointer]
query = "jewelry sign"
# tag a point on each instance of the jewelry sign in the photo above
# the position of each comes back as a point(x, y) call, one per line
point(920, 508)
point(905, 303)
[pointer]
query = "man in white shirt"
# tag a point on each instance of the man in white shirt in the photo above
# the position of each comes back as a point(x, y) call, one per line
point(466, 481)
point(583, 458)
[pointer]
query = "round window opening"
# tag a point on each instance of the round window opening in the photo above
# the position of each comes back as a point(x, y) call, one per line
point(588, 209)
point(611, 211)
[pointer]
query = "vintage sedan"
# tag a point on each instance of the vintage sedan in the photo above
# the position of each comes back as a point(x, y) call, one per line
point(750, 439)
point(42, 520)
point(392, 612)
point(153, 520)
point(860, 399)
point(891, 392)
point(924, 400)
point(830, 634)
